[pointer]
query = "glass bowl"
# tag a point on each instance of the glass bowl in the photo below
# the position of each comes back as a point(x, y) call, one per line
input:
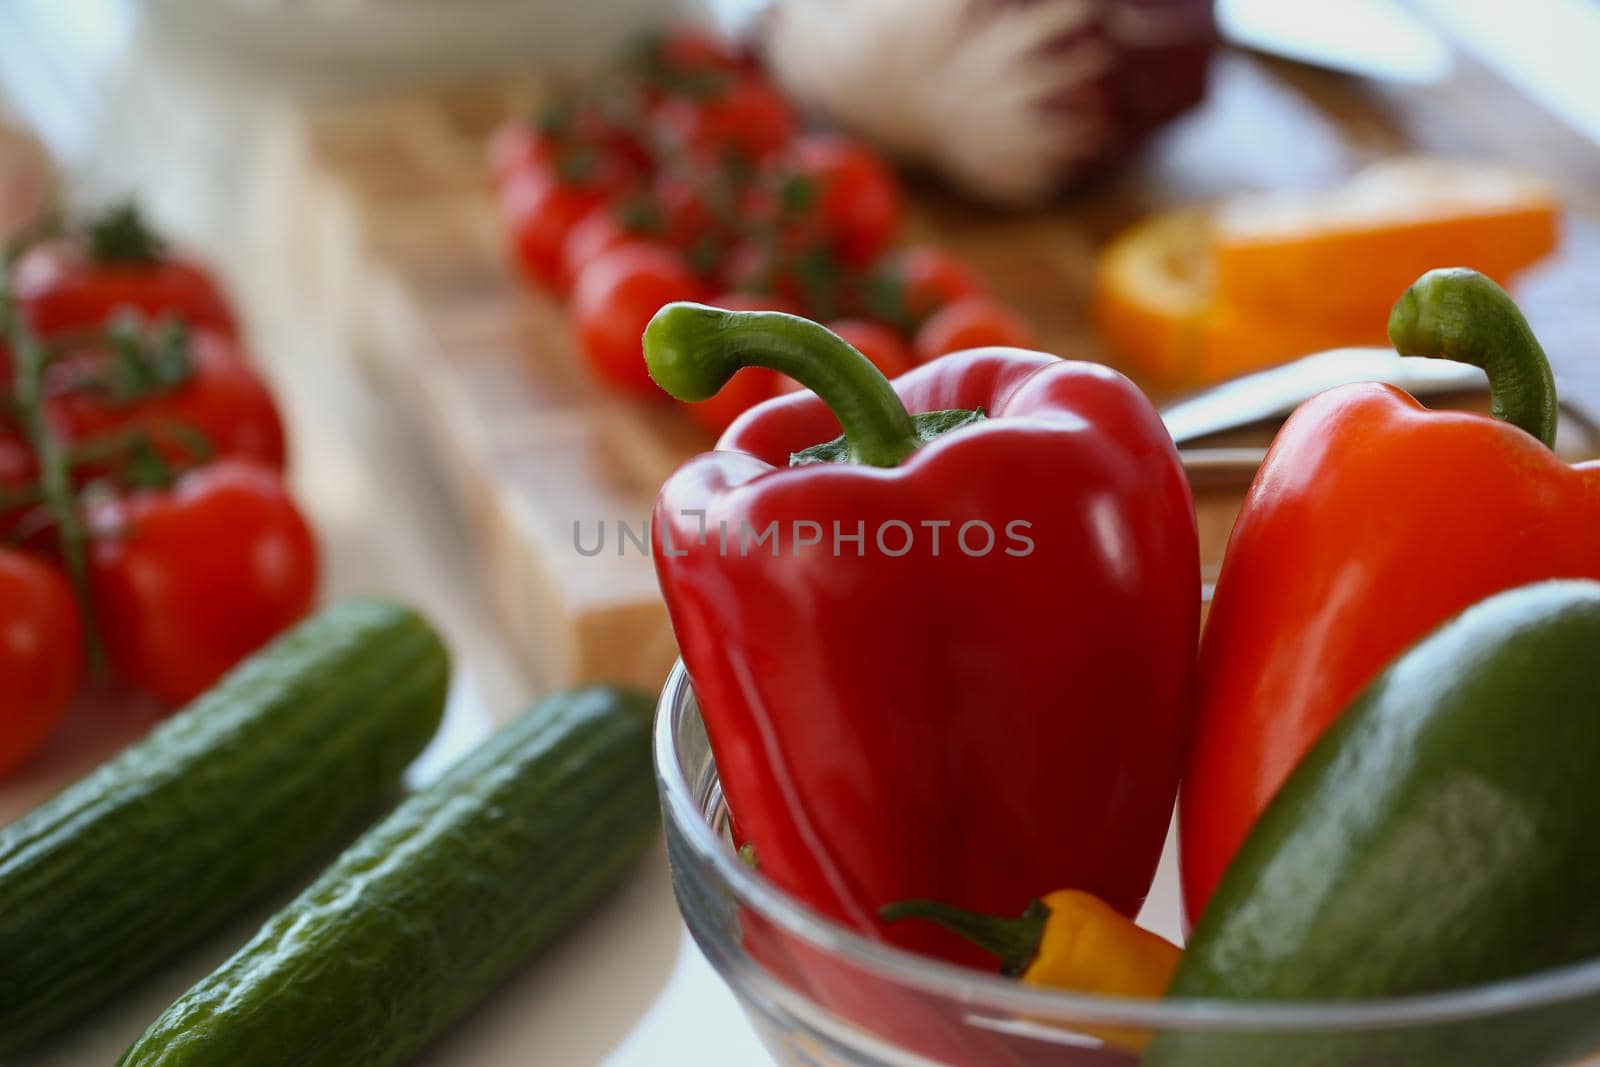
point(819, 994)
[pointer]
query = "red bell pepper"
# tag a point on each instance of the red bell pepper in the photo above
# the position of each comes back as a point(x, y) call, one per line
point(959, 662)
point(1371, 522)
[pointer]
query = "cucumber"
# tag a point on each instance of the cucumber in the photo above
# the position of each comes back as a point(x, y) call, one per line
point(221, 804)
point(1444, 832)
point(435, 906)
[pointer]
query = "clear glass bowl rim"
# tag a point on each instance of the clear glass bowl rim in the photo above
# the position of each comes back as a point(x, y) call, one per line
point(1001, 995)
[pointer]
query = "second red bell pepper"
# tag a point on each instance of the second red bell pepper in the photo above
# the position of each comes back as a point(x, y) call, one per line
point(946, 655)
point(1371, 522)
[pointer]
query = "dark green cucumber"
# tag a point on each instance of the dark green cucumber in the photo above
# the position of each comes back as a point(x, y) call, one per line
point(435, 906)
point(1445, 832)
point(218, 806)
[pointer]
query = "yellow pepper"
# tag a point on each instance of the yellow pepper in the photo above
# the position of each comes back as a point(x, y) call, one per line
point(1068, 940)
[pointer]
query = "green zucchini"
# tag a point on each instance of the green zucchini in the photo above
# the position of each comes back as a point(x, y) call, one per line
point(436, 905)
point(218, 806)
point(1444, 832)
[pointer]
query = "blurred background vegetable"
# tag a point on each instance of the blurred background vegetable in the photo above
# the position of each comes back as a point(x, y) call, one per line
point(1008, 100)
point(1194, 296)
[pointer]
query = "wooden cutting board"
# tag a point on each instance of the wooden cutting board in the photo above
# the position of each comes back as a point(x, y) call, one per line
point(396, 227)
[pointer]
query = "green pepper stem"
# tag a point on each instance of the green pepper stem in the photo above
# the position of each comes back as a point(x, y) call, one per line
point(1462, 315)
point(692, 350)
point(1015, 941)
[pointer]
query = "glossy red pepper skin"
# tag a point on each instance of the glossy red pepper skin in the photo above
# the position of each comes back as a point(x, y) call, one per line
point(1371, 522)
point(967, 728)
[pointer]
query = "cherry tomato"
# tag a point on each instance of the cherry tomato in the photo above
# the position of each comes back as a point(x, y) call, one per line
point(41, 654)
point(684, 197)
point(18, 474)
point(922, 279)
point(751, 268)
point(749, 386)
point(596, 233)
point(879, 343)
point(59, 286)
point(687, 50)
point(540, 211)
point(975, 322)
point(808, 276)
point(189, 580)
point(224, 400)
point(613, 301)
point(749, 119)
point(517, 145)
point(857, 202)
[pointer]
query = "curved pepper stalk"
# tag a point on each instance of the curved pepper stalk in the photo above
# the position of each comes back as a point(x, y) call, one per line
point(1461, 315)
point(692, 351)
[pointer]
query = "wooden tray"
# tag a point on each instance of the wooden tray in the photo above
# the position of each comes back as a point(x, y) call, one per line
point(390, 203)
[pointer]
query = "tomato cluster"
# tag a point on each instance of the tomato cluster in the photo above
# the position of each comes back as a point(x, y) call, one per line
point(143, 516)
point(685, 175)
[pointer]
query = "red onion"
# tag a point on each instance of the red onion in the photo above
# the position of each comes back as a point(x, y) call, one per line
point(1008, 99)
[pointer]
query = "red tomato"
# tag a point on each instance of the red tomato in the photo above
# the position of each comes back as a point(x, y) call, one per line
point(922, 279)
point(224, 400)
point(19, 473)
point(750, 386)
point(686, 50)
point(810, 277)
point(751, 268)
point(613, 301)
point(539, 212)
point(60, 286)
point(596, 233)
point(683, 195)
point(17, 468)
point(516, 146)
point(41, 654)
point(749, 119)
point(857, 203)
point(975, 322)
point(879, 343)
point(188, 581)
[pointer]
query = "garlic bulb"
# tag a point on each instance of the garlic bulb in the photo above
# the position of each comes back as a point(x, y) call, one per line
point(1006, 98)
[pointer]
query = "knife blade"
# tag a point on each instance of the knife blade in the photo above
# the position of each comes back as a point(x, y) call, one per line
point(1274, 393)
point(1369, 38)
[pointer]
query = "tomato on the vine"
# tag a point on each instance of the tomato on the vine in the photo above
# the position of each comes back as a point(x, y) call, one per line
point(189, 580)
point(809, 276)
point(222, 401)
point(17, 473)
point(976, 322)
point(41, 654)
point(848, 192)
point(517, 145)
point(747, 119)
point(613, 301)
point(915, 282)
point(750, 386)
point(25, 521)
point(540, 211)
point(686, 196)
point(596, 233)
point(79, 282)
point(688, 50)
